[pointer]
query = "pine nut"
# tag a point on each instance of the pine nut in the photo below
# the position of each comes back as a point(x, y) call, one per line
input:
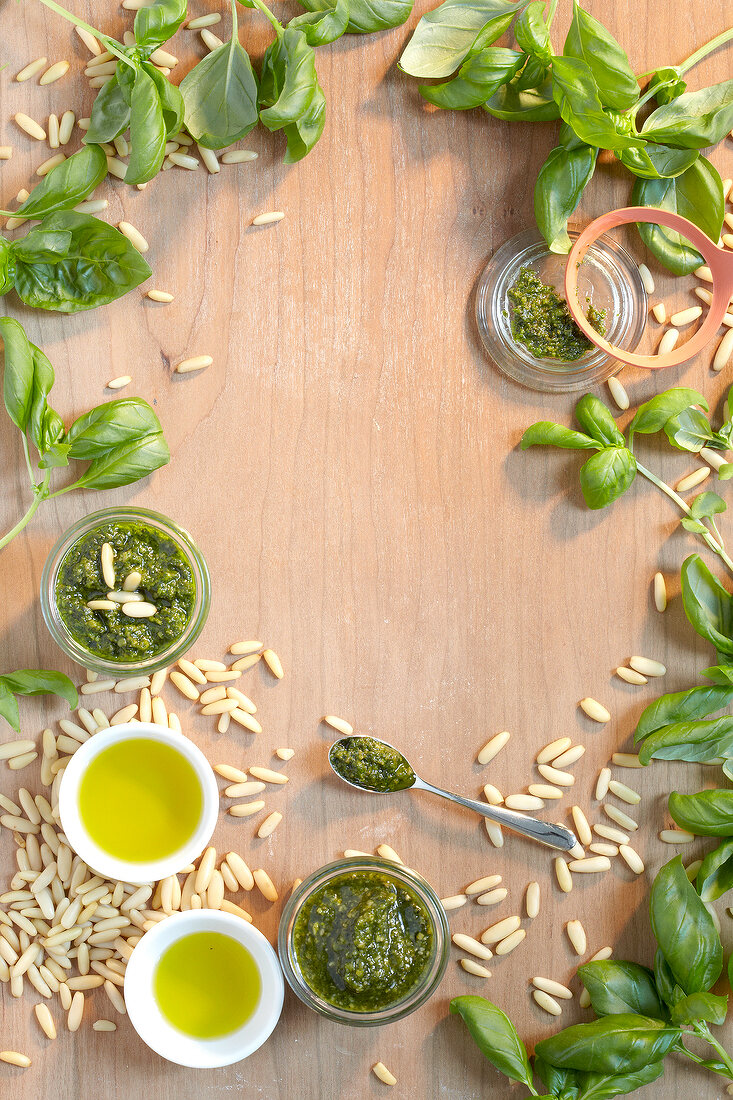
point(704, 295)
point(523, 802)
point(626, 794)
point(704, 273)
point(265, 884)
point(134, 236)
point(53, 131)
point(590, 865)
point(73, 1020)
point(595, 710)
point(647, 667)
point(725, 351)
point(668, 341)
point(269, 825)
point(285, 754)
point(453, 902)
point(19, 762)
point(468, 943)
point(618, 393)
point(545, 1001)
point(221, 706)
point(228, 771)
point(494, 833)
point(206, 866)
point(339, 724)
point(197, 362)
point(544, 790)
point(630, 675)
point(556, 777)
point(620, 817)
point(184, 685)
point(602, 848)
point(66, 126)
point(492, 897)
point(15, 748)
point(246, 809)
point(385, 851)
point(159, 296)
point(210, 666)
point(582, 827)
point(132, 683)
point(238, 156)
point(532, 899)
point(493, 795)
point(31, 69)
point(499, 931)
point(210, 40)
point(213, 695)
point(692, 868)
point(380, 1070)
point(632, 859)
point(676, 836)
point(548, 754)
point(203, 21)
point(510, 942)
point(246, 720)
point(140, 609)
point(268, 218)
point(686, 316)
point(52, 162)
point(570, 757)
point(45, 1019)
point(483, 884)
point(246, 663)
point(626, 760)
point(660, 313)
point(240, 870)
point(584, 999)
point(15, 1058)
point(492, 747)
point(208, 156)
point(563, 876)
point(472, 967)
point(248, 648)
point(577, 936)
point(646, 278)
point(269, 776)
point(555, 989)
point(6, 152)
point(104, 1025)
point(609, 833)
point(97, 687)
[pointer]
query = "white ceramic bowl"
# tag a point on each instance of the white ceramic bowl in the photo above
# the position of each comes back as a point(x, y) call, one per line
point(83, 844)
point(175, 1045)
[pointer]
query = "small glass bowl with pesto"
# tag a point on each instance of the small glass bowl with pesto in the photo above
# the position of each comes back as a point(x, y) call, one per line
point(364, 941)
point(611, 289)
point(156, 608)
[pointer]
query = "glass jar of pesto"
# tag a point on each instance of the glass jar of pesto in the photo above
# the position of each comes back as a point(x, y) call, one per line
point(139, 610)
point(364, 941)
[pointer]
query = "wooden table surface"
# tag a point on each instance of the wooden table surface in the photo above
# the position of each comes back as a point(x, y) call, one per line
point(349, 467)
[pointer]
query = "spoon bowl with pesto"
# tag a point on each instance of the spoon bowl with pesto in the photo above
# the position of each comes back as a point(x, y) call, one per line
point(369, 764)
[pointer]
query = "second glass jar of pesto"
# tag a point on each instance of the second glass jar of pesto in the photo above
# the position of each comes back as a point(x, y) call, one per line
point(163, 570)
point(364, 941)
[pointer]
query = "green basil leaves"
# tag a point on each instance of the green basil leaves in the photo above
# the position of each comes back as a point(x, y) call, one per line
point(31, 681)
point(684, 930)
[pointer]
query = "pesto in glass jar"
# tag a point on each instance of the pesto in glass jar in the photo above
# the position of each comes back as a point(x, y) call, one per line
point(542, 322)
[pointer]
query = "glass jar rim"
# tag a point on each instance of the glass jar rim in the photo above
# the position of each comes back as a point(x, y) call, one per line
point(60, 633)
point(424, 987)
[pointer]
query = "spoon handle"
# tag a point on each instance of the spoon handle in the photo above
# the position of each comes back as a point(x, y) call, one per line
point(546, 832)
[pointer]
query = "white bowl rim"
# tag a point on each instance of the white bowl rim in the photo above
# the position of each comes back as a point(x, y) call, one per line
point(83, 844)
point(167, 1040)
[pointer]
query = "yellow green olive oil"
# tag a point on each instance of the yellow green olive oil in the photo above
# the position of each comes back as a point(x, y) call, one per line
point(140, 800)
point(207, 985)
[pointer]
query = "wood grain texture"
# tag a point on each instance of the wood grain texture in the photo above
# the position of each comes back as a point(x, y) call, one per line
point(349, 467)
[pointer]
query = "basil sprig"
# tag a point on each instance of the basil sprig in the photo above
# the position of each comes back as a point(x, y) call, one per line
point(121, 440)
point(32, 681)
point(69, 262)
point(643, 1015)
point(592, 87)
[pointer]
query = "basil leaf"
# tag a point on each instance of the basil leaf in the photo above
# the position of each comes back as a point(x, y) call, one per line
point(558, 189)
point(324, 25)
point(725, 473)
point(706, 505)
point(147, 130)
point(41, 244)
point(288, 80)
point(110, 425)
point(18, 374)
point(715, 876)
point(127, 463)
point(684, 929)
point(607, 475)
point(694, 119)
point(66, 184)
point(303, 134)
point(575, 92)
point(443, 38)
point(38, 681)
point(220, 96)
point(656, 162)
point(478, 78)
point(7, 266)
point(621, 987)
point(45, 426)
point(700, 1006)
point(719, 674)
point(589, 41)
point(533, 75)
point(689, 430)
point(156, 23)
point(667, 84)
point(689, 741)
point(368, 16)
point(171, 100)
point(682, 706)
point(667, 987)
point(495, 1036)
point(9, 709)
point(110, 113)
point(562, 1083)
point(54, 455)
point(623, 1043)
point(514, 104)
point(708, 813)
point(596, 1086)
point(531, 33)
point(654, 414)
point(596, 419)
point(694, 525)
point(708, 606)
point(100, 266)
point(555, 435)
point(696, 194)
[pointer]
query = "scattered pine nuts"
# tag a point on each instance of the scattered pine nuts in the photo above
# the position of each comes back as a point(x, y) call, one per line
point(555, 989)
point(668, 341)
point(468, 943)
point(31, 69)
point(630, 675)
point(532, 899)
point(577, 936)
point(134, 236)
point(646, 278)
point(647, 667)
point(453, 902)
point(625, 760)
point(510, 942)
point(725, 351)
point(582, 827)
point(555, 776)
point(548, 754)
point(482, 884)
point(238, 156)
point(339, 724)
point(203, 21)
point(544, 790)
point(492, 747)
point(15, 1058)
point(595, 710)
point(618, 393)
point(609, 833)
point(30, 126)
point(592, 865)
point(265, 884)
point(660, 313)
point(545, 1001)
point(119, 383)
point(55, 72)
point(472, 967)
point(246, 809)
point(686, 316)
point(523, 802)
point(676, 836)
point(269, 825)
point(380, 1070)
point(159, 296)
point(563, 876)
point(499, 931)
point(626, 794)
point(268, 218)
point(620, 817)
point(704, 273)
point(569, 757)
point(246, 648)
point(196, 362)
point(492, 897)
point(632, 859)
point(6, 152)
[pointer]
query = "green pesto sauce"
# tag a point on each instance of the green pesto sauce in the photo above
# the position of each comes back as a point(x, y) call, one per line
point(542, 322)
point(363, 941)
point(167, 582)
point(370, 764)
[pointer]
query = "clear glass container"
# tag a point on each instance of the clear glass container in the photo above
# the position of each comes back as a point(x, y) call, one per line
point(425, 986)
point(186, 546)
point(609, 278)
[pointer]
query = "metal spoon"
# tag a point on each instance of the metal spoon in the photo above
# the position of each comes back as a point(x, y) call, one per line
point(546, 832)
